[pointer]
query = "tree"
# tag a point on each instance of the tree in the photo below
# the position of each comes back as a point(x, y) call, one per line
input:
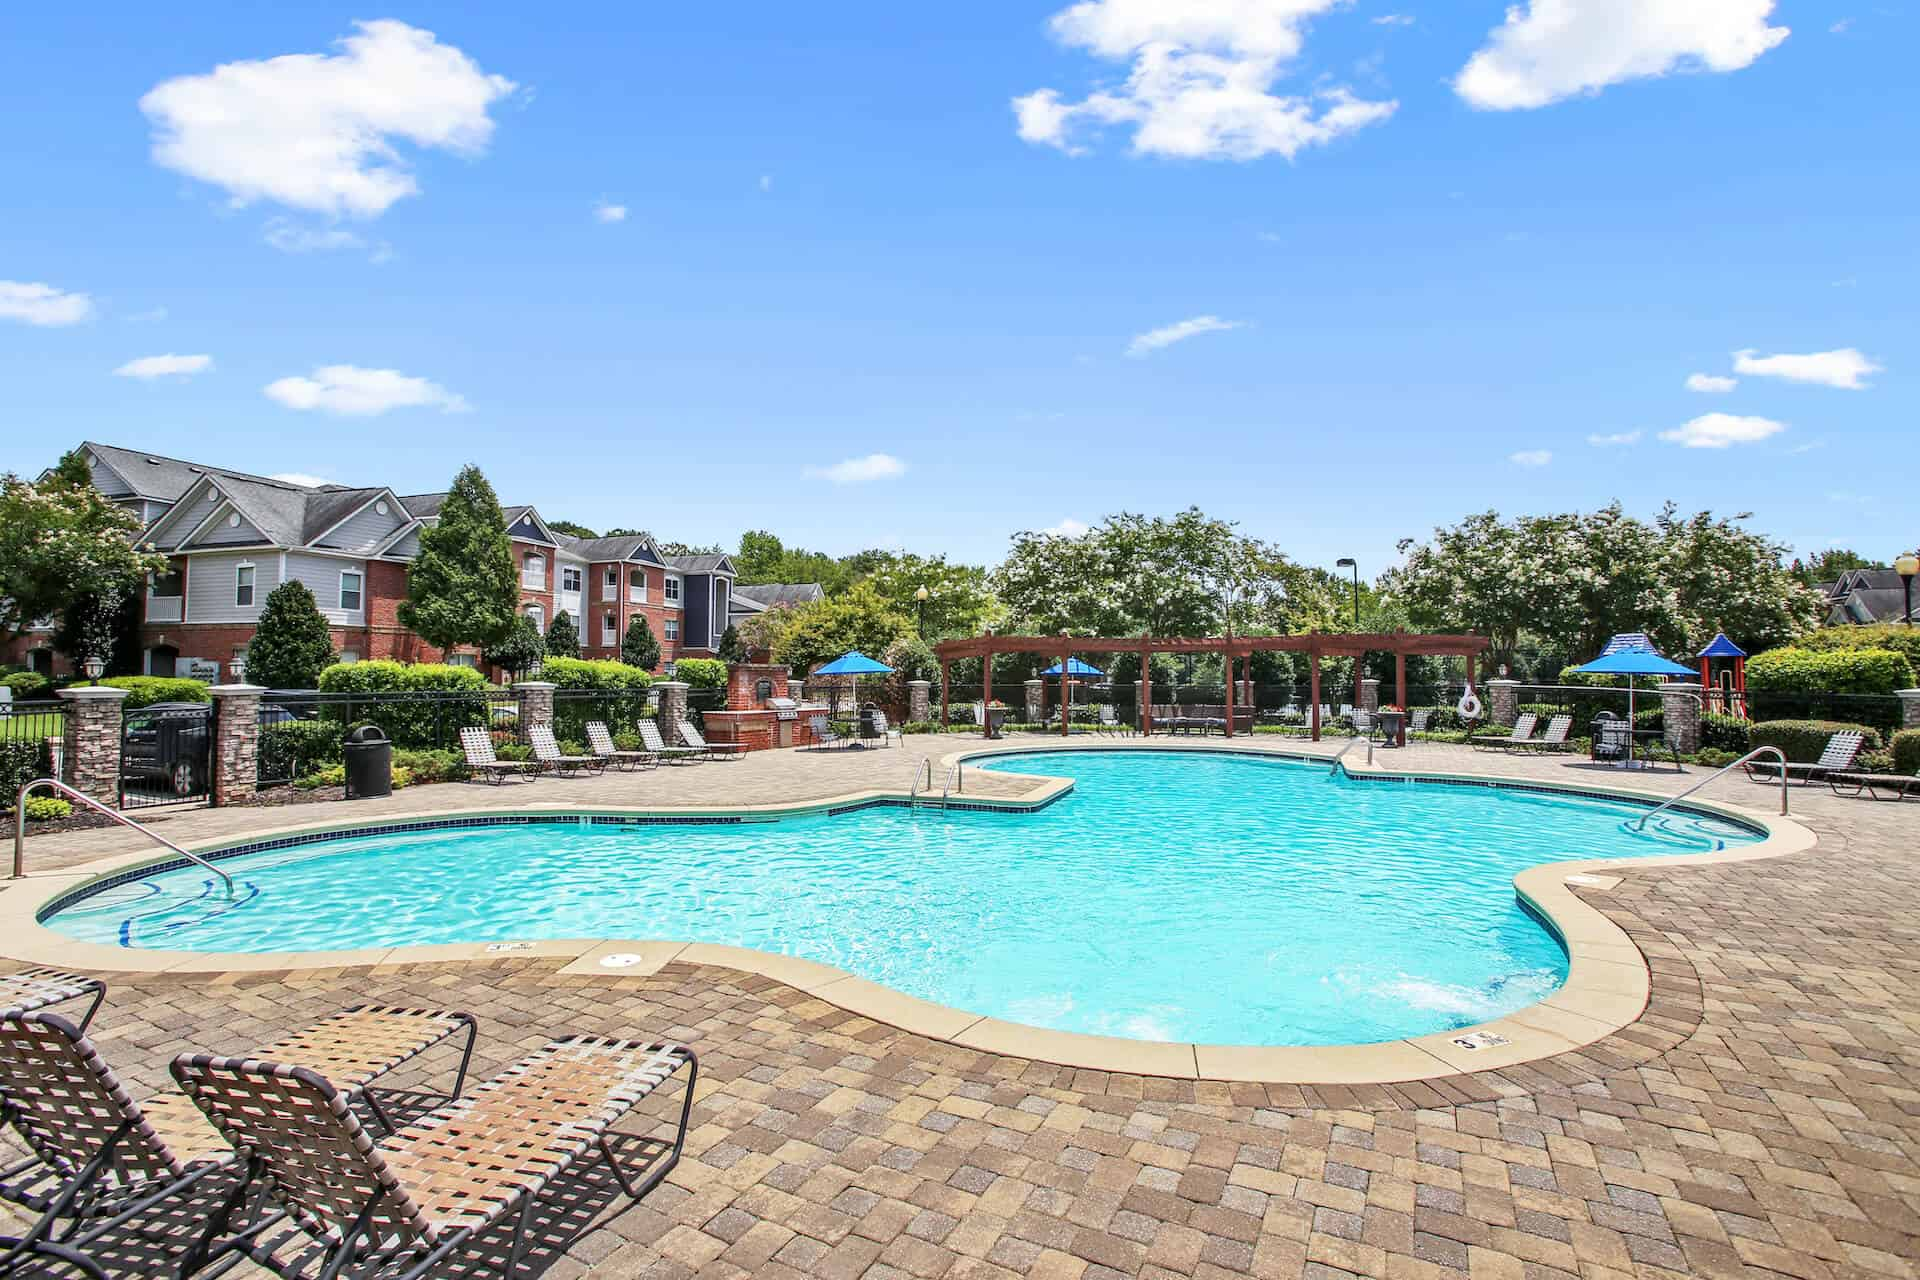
point(571, 528)
point(292, 644)
point(690, 549)
point(761, 632)
point(102, 626)
point(823, 630)
point(638, 648)
point(732, 648)
point(959, 601)
point(63, 542)
point(1826, 566)
point(462, 588)
point(563, 638)
point(520, 649)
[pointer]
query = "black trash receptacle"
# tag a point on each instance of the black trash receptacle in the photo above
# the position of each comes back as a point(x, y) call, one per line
point(369, 757)
point(870, 721)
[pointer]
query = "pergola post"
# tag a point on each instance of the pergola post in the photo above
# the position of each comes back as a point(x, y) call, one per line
point(986, 692)
point(1313, 695)
point(1066, 719)
point(1230, 678)
point(1400, 691)
point(945, 668)
point(1145, 716)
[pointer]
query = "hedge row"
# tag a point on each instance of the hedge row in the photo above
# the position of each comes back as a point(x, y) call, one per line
point(1829, 671)
point(144, 691)
point(1804, 740)
point(1906, 751)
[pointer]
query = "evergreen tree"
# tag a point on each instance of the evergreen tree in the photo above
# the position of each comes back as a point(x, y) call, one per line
point(563, 639)
point(462, 588)
point(292, 645)
point(639, 648)
point(522, 648)
point(732, 647)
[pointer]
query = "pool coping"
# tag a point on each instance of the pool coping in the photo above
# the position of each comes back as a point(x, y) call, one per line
point(1607, 988)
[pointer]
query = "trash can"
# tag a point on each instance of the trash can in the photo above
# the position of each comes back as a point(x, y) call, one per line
point(369, 759)
point(870, 721)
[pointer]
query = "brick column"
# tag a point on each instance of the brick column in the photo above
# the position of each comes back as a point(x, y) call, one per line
point(92, 748)
point(919, 700)
point(1909, 708)
point(536, 705)
point(673, 709)
point(1680, 714)
point(235, 760)
point(1503, 701)
point(797, 690)
point(1036, 699)
point(1369, 694)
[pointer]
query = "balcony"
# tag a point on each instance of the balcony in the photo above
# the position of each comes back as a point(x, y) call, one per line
point(531, 580)
point(636, 595)
point(163, 608)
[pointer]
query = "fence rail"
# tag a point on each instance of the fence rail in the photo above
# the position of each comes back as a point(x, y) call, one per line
point(31, 738)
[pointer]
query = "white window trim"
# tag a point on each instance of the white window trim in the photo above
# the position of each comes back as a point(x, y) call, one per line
point(673, 592)
point(671, 629)
point(340, 599)
point(609, 629)
point(566, 569)
point(252, 584)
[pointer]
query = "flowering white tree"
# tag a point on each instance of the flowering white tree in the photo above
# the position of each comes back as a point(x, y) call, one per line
point(63, 542)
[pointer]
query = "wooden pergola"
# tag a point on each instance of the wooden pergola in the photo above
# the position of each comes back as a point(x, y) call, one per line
point(1315, 644)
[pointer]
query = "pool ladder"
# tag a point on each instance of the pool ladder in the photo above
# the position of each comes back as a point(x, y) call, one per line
point(53, 784)
point(952, 785)
point(1756, 753)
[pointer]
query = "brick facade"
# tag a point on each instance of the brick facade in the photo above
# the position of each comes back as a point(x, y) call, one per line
point(622, 609)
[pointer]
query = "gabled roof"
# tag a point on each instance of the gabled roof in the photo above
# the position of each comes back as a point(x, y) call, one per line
point(776, 595)
point(153, 475)
point(624, 547)
point(700, 564)
point(325, 510)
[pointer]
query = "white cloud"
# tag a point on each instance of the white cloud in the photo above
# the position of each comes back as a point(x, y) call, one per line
point(766, 182)
point(605, 212)
point(42, 304)
point(1843, 368)
point(289, 236)
point(875, 466)
point(1615, 440)
point(1201, 81)
point(167, 366)
point(301, 478)
point(317, 131)
point(1549, 50)
point(352, 391)
point(1722, 430)
point(1531, 457)
point(1067, 528)
point(1394, 20)
point(1154, 339)
point(1710, 383)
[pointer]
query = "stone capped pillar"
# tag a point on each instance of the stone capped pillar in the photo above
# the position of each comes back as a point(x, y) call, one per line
point(536, 706)
point(1369, 694)
point(235, 759)
point(1503, 701)
point(797, 690)
point(919, 701)
point(1036, 701)
point(91, 753)
point(673, 709)
point(1909, 708)
point(1680, 714)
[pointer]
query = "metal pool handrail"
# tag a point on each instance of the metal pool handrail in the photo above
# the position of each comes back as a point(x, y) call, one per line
point(1715, 777)
point(954, 782)
point(922, 772)
point(1333, 770)
point(20, 828)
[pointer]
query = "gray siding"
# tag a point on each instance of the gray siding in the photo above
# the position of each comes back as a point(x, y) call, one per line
point(526, 530)
point(186, 517)
point(322, 576)
point(696, 598)
point(106, 479)
point(408, 547)
point(224, 534)
point(365, 530)
point(211, 580)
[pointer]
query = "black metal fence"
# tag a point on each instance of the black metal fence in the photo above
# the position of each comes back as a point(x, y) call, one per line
point(1271, 703)
point(166, 755)
point(31, 737)
point(301, 733)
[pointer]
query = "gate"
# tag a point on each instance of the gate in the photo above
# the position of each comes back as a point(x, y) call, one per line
point(166, 755)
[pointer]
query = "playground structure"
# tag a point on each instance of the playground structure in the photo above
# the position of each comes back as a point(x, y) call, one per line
point(1726, 690)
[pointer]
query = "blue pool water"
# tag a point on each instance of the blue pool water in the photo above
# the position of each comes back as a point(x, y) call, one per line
point(1171, 896)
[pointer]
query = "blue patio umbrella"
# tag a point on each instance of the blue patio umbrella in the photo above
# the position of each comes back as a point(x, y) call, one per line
point(856, 664)
point(1631, 662)
point(1075, 667)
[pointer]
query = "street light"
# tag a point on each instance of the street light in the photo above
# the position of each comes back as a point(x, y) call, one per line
point(1906, 566)
point(93, 664)
point(1345, 562)
point(920, 598)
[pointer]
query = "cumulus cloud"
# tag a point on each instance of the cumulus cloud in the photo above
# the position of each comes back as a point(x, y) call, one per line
point(1531, 457)
point(1201, 81)
point(300, 478)
point(289, 236)
point(874, 466)
point(1722, 431)
point(607, 212)
point(351, 391)
point(1710, 383)
point(1843, 368)
point(1550, 50)
point(318, 131)
point(1067, 528)
point(1152, 340)
point(1394, 20)
point(167, 366)
point(42, 304)
point(1614, 440)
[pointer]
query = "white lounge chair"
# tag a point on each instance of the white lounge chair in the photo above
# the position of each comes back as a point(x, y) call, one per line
point(1520, 736)
point(650, 736)
point(1838, 757)
point(601, 743)
point(715, 751)
point(548, 753)
point(477, 745)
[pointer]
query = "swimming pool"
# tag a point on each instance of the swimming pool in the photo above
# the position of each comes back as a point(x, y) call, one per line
point(1186, 896)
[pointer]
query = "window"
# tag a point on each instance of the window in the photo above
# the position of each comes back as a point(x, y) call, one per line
point(533, 570)
point(609, 628)
point(238, 654)
point(569, 578)
point(538, 615)
point(462, 660)
point(672, 591)
point(348, 656)
point(350, 590)
point(166, 586)
point(636, 586)
point(673, 628)
point(610, 584)
point(243, 586)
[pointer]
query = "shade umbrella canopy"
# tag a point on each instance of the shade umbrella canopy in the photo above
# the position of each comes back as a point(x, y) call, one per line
point(1634, 662)
point(854, 663)
point(1075, 667)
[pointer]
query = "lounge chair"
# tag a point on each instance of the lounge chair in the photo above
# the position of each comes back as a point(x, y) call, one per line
point(32, 989)
point(1420, 718)
point(601, 743)
point(716, 751)
point(1901, 785)
point(650, 736)
point(410, 1200)
point(100, 1160)
point(1553, 739)
point(1521, 734)
point(1838, 757)
point(547, 752)
point(477, 745)
point(1108, 720)
point(820, 729)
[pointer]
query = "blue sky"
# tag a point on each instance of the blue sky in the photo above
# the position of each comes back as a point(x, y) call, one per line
point(1338, 271)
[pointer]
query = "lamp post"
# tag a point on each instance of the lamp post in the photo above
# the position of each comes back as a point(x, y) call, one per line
point(93, 664)
point(1345, 562)
point(920, 599)
point(1906, 566)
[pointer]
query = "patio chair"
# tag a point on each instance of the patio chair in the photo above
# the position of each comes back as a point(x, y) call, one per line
point(1838, 757)
point(1419, 719)
point(1521, 734)
point(99, 1160)
point(601, 743)
point(1109, 721)
point(1553, 739)
point(547, 752)
point(650, 738)
point(410, 1200)
point(888, 734)
point(820, 729)
point(32, 989)
point(477, 745)
point(1900, 785)
point(690, 735)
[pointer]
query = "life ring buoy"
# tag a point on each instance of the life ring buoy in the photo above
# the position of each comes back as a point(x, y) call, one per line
point(1469, 706)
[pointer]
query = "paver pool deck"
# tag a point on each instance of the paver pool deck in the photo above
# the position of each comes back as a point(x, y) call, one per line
point(1760, 1117)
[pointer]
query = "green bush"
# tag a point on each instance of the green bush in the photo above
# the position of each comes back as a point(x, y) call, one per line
point(430, 766)
point(29, 686)
point(384, 676)
point(623, 690)
point(334, 775)
point(513, 751)
point(295, 747)
point(1906, 751)
point(1874, 762)
point(1881, 635)
point(701, 673)
point(1726, 733)
point(144, 691)
point(411, 724)
point(48, 808)
point(920, 726)
point(1804, 740)
point(1857, 671)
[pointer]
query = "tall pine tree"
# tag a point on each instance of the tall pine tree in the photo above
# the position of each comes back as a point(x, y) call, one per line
point(461, 588)
point(292, 645)
point(639, 648)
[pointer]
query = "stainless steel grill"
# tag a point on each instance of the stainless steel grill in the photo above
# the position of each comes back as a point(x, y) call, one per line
point(784, 708)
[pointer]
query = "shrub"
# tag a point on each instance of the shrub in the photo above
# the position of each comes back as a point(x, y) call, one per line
point(1726, 733)
point(563, 638)
point(638, 648)
point(1882, 635)
point(513, 751)
point(520, 649)
point(1714, 758)
point(1906, 751)
point(920, 726)
point(425, 723)
point(429, 766)
point(295, 747)
point(48, 808)
point(1874, 762)
point(21, 761)
point(1804, 740)
point(28, 686)
point(701, 673)
point(623, 691)
point(144, 691)
point(293, 643)
point(385, 676)
point(1856, 671)
point(334, 775)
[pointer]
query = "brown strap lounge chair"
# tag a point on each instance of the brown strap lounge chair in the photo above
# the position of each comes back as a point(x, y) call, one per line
point(477, 745)
point(98, 1159)
point(32, 989)
point(547, 752)
point(602, 743)
point(1521, 734)
point(650, 734)
point(411, 1199)
point(1897, 786)
point(716, 751)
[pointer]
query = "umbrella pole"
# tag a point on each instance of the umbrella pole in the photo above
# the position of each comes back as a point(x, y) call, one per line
point(1631, 741)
